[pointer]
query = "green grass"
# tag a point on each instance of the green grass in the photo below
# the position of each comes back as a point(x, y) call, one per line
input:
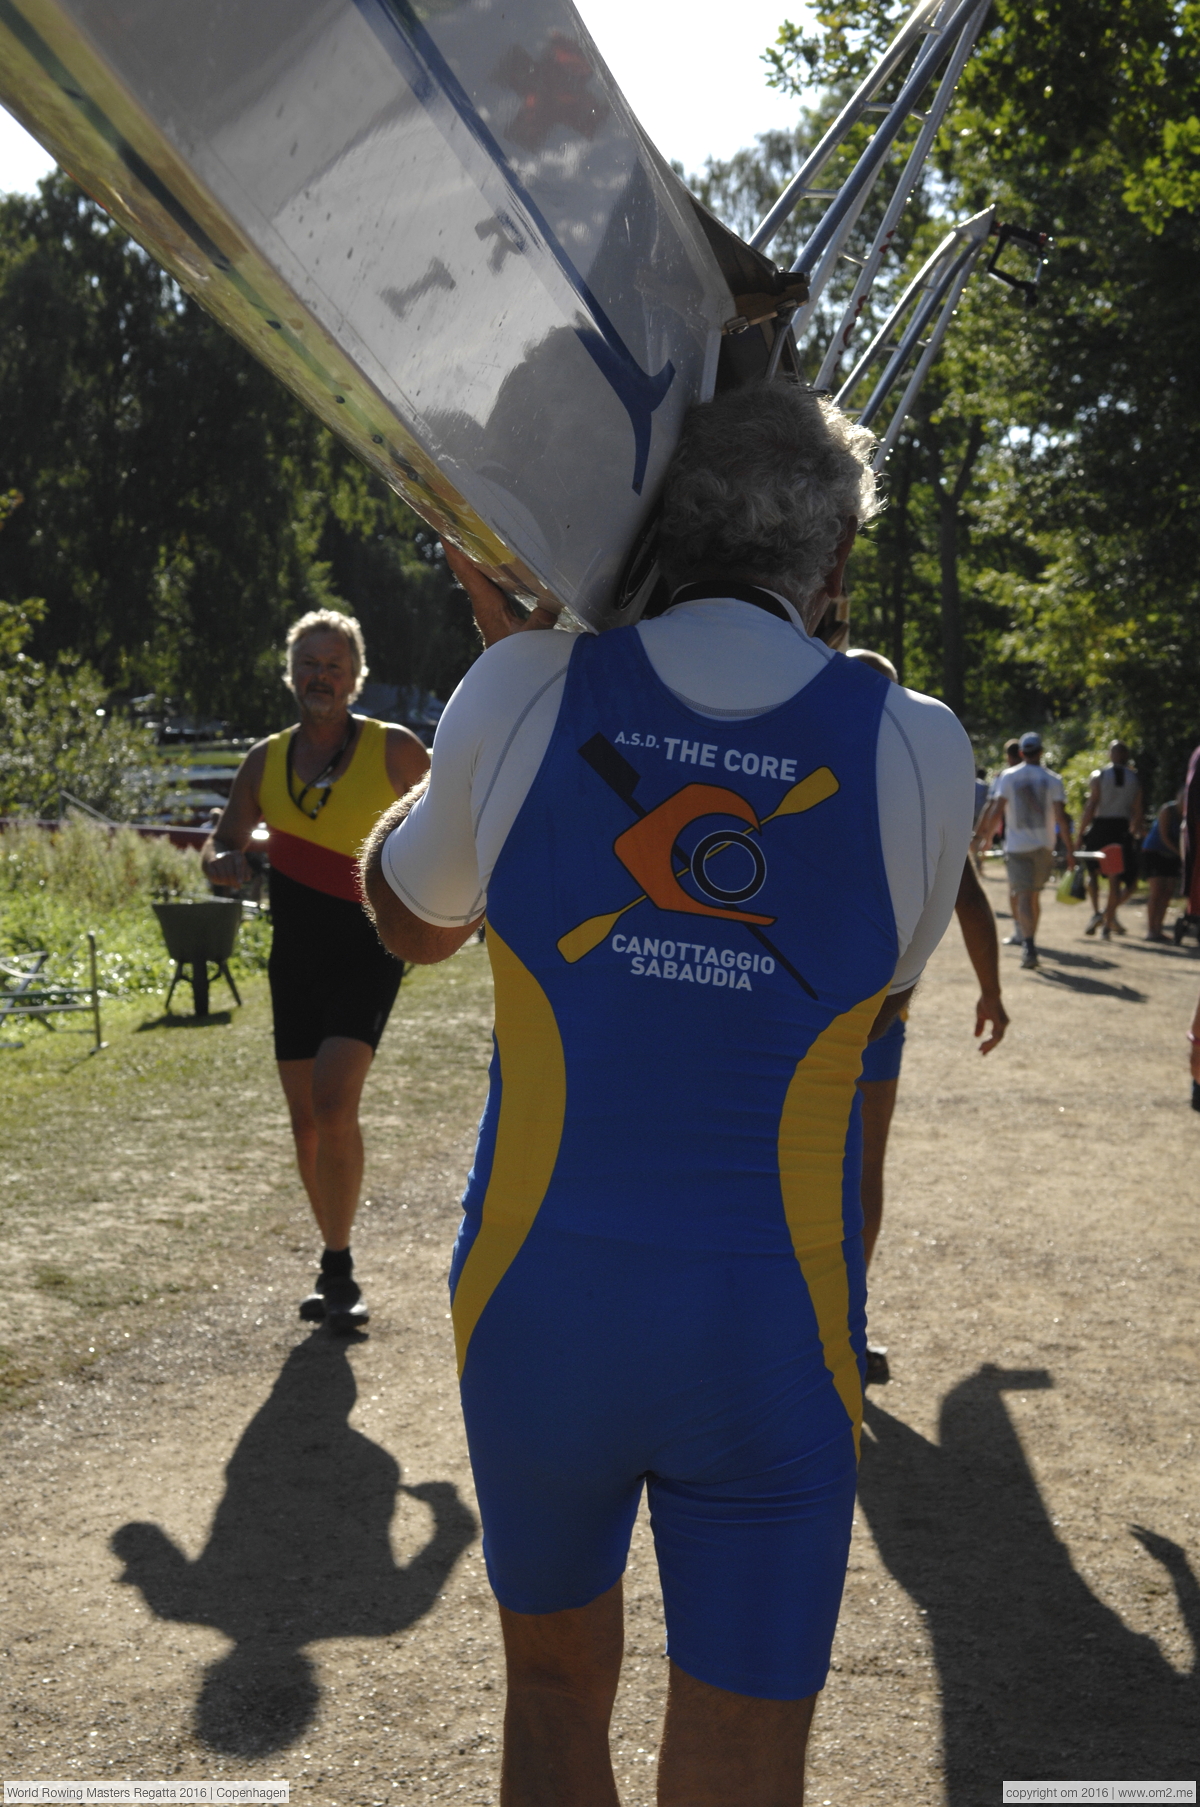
point(134, 1179)
point(56, 887)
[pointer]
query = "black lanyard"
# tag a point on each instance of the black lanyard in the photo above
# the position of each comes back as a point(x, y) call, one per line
point(718, 588)
point(318, 783)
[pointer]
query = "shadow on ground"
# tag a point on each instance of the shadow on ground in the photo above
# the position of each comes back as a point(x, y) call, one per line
point(1103, 988)
point(216, 1019)
point(298, 1551)
point(1038, 1677)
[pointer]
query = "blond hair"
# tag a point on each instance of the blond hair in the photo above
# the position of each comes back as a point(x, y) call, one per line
point(328, 621)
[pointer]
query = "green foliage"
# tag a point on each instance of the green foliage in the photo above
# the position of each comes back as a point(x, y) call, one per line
point(55, 885)
point(57, 735)
point(1043, 497)
point(86, 866)
point(180, 508)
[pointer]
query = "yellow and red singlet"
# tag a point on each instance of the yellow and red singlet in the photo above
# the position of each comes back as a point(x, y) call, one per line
point(321, 851)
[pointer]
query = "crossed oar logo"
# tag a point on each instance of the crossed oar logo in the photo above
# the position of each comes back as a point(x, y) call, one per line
point(650, 849)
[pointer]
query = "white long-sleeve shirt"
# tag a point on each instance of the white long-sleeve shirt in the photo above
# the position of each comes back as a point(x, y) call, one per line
point(723, 658)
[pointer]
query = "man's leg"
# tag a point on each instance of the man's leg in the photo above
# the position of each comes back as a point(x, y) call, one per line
point(563, 1669)
point(323, 1097)
point(1158, 896)
point(729, 1750)
point(719, 1749)
point(295, 1076)
point(339, 1073)
point(1113, 903)
point(1121, 889)
point(1027, 914)
point(878, 1103)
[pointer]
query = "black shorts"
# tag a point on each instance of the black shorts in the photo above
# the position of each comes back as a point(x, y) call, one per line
point(329, 973)
point(1160, 865)
point(1107, 831)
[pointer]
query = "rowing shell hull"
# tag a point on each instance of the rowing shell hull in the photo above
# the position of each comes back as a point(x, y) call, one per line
point(442, 228)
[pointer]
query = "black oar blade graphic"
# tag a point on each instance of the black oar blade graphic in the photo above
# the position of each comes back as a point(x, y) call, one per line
point(616, 772)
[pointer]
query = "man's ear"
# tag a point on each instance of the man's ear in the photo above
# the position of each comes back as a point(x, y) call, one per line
point(831, 588)
point(835, 576)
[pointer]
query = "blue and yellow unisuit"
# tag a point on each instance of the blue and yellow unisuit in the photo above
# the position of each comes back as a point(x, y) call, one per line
point(659, 1275)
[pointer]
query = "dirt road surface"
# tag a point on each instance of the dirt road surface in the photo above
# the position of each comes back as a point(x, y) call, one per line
point(234, 1548)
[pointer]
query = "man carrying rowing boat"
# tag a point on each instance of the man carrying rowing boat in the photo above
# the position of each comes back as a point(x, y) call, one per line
point(714, 857)
point(320, 786)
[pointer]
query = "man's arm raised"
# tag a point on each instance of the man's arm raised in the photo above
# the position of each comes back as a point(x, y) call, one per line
point(495, 615)
point(403, 933)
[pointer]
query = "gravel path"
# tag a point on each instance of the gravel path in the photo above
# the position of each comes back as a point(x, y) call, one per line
point(232, 1548)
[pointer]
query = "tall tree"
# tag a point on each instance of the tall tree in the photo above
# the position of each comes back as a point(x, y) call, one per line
point(180, 506)
point(1078, 531)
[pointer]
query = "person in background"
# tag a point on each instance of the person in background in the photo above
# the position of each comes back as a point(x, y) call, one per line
point(1029, 800)
point(1012, 757)
point(1193, 1036)
point(983, 789)
point(882, 1059)
point(1114, 814)
point(320, 786)
point(1162, 865)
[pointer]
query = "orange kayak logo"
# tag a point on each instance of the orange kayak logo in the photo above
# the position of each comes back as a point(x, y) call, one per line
point(651, 854)
point(647, 852)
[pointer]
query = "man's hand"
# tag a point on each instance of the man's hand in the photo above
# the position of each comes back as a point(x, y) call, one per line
point(978, 925)
point(989, 1009)
point(227, 867)
point(495, 616)
point(985, 828)
point(889, 1010)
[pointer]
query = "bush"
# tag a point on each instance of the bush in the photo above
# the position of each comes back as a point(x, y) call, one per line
point(56, 884)
point(56, 734)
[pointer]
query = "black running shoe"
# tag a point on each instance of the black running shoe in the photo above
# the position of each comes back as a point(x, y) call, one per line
point(312, 1309)
point(345, 1307)
point(878, 1372)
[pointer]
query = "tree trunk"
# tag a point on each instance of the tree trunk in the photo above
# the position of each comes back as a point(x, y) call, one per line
point(953, 652)
point(900, 555)
point(949, 500)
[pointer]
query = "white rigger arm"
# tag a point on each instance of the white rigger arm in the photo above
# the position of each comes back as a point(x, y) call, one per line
point(927, 277)
point(949, 291)
point(819, 257)
point(840, 342)
point(800, 185)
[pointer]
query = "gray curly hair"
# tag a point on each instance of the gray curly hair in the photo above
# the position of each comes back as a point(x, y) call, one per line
point(764, 480)
point(328, 621)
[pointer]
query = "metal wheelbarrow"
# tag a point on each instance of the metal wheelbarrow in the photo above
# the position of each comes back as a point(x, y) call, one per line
point(199, 935)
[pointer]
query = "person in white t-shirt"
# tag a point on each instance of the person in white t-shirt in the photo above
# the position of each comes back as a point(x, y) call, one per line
point(1030, 801)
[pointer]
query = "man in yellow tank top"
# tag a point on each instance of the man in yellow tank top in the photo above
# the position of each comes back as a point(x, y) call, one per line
point(320, 786)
